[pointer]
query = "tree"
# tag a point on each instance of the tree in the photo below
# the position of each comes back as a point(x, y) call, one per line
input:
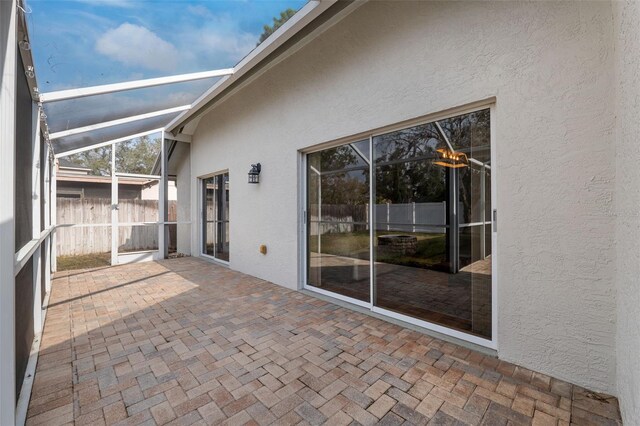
point(277, 23)
point(98, 160)
point(134, 156)
point(137, 156)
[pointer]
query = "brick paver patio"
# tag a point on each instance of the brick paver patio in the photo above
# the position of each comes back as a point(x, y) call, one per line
point(187, 342)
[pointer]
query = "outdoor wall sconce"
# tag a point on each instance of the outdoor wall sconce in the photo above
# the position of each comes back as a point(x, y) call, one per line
point(254, 173)
point(451, 159)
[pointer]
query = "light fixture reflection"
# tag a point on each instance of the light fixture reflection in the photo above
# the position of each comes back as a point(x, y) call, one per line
point(451, 159)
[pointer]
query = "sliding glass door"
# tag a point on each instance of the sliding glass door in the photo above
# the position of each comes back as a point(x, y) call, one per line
point(432, 260)
point(338, 225)
point(416, 202)
point(215, 216)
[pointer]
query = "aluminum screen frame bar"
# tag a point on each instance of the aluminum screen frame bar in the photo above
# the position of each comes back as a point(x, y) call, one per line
point(118, 122)
point(107, 143)
point(130, 85)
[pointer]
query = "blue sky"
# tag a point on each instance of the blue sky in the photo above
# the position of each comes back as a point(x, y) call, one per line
point(79, 43)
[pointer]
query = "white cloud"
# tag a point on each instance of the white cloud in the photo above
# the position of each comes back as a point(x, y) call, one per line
point(199, 10)
point(113, 3)
point(234, 45)
point(216, 42)
point(134, 45)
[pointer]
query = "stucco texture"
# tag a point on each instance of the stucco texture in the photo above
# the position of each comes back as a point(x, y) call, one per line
point(550, 67)
point(627, 21)
point(180, 165)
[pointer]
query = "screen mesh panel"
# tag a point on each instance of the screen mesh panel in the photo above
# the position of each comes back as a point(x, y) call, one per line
point(138, 212)
point(24, 153)
point(86, 139)
point(80, 112)
point(42, 179)
point(43, 272)
point(24, 321)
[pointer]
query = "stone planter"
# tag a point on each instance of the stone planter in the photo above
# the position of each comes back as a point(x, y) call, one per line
point(401, 245)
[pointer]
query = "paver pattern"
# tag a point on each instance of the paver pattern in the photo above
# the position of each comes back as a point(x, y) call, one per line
point(461, 301)
point(187, 342)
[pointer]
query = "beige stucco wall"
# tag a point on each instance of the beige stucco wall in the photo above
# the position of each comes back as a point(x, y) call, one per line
point(153, 192)
point(627, 55)
point(180, 165)
point(550, 67)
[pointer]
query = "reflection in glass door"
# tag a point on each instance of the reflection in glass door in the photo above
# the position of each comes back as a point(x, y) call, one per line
point(432, 240)
point(338, 225)
point(426, 192)
point(215, 216)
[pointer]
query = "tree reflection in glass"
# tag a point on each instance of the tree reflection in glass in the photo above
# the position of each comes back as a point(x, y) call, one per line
point(431, 222)
point(432, 260)
point(338, 226)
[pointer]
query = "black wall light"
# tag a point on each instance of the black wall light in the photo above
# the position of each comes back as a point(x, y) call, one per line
point(254, 173)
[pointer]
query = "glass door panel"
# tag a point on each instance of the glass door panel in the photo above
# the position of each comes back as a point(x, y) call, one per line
point(207, 217)
point(215, 216)
point(338, 225)
point(432, 257)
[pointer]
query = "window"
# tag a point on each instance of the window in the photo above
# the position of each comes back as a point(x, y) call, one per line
point(70, 193)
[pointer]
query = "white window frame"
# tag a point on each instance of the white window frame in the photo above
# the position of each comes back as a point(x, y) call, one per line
point(303, 226)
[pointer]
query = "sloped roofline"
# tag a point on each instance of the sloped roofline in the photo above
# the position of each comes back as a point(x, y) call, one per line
point(283, 40)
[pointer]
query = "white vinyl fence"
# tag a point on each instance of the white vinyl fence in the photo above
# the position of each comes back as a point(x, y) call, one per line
point(412, 217)
point(407, 217)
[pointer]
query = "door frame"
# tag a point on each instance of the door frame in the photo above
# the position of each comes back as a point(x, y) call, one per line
point(304, 224)
point(201, 219)
point(145, 255)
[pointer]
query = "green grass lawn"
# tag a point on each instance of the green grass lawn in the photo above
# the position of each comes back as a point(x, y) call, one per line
point(431, 248)
point(85, 261)
point(88, 261)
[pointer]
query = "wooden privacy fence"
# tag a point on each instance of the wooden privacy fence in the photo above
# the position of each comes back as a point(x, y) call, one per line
point(87, 239)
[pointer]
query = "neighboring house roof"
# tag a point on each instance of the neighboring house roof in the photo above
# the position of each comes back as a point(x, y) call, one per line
point(63, 163)
point(103, 180)
point(68, 172)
